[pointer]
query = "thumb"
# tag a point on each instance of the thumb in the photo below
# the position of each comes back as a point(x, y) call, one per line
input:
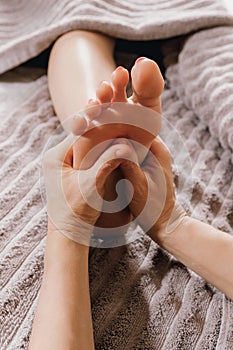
point(137, 177)
point(131, 168)
point(139, 184)
point(112, 159)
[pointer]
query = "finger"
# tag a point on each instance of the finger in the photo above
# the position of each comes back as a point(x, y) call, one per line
point(132, 172)
point(161, 151)
point(131, 168)
point(79, 124)
point(158, 154)
point(163, 157)
point(61, 153)
point(139, 185)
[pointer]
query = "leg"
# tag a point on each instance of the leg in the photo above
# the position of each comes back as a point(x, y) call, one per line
point(60, 316)
point(79, 61)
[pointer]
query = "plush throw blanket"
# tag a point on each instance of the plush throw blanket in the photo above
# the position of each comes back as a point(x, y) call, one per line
point(28, 27)
point(142, 298)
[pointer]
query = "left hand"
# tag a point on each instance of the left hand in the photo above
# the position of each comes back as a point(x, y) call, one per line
point(69, 191)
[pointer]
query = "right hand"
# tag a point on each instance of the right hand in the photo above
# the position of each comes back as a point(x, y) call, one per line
point(163, 212)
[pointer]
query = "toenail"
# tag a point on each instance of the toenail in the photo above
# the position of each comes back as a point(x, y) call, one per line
point(140, 59)
point(118, 69)
point(103, 82)
point(120, 152)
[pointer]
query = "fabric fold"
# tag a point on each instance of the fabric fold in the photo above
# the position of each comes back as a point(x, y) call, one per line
point(29, 27)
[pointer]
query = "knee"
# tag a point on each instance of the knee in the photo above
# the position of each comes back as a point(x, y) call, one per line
point(69, 36)
point(89, 37)
point(78, 33)
point(64, 44)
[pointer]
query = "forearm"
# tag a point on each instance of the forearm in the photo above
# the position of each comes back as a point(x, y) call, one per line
point(204, 249)
point(63, 317)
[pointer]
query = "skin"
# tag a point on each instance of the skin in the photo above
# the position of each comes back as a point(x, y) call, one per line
point(85, 59)
point(58, 324)
point(61, 322)
point(74, 60)
point(199, 246)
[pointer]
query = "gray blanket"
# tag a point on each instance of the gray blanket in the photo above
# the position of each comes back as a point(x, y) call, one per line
point(28, 27)
point(142, 298)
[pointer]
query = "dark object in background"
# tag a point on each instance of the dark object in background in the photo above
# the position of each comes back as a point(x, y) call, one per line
point(150, 49)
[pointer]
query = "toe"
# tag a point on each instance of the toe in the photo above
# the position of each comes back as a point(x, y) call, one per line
point(147, 83)
point(92, 109)
point(120, 79)
point(104, 92)
point(78, 125)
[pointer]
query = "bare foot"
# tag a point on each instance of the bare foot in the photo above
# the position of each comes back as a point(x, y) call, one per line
point(147, 85)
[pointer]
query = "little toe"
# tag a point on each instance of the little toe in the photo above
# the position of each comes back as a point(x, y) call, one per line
point(119, 79)
point(147, 83)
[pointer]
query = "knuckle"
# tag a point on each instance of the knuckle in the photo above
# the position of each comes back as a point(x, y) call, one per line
point(106, 168)
point(128, 164)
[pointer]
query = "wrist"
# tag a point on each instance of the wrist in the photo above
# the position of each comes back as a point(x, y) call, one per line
point(167, 238)
point(62, 252)
point(75, 235)
point(162, 231)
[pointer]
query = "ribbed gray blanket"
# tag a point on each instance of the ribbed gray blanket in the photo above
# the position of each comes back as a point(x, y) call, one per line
point(142, 298)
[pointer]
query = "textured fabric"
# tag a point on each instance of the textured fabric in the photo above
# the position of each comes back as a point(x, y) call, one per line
point(28, 27)
point(142, 298)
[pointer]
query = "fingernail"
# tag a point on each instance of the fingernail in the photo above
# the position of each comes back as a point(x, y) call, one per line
point(79, 125)
point(120, 141)
point(90, 100)
point(120, 152)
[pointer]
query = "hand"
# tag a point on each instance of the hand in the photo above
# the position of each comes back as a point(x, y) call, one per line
point(153, 190)
point(69, 190)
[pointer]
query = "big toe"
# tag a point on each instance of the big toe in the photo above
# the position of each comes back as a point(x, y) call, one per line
point(148, 83)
